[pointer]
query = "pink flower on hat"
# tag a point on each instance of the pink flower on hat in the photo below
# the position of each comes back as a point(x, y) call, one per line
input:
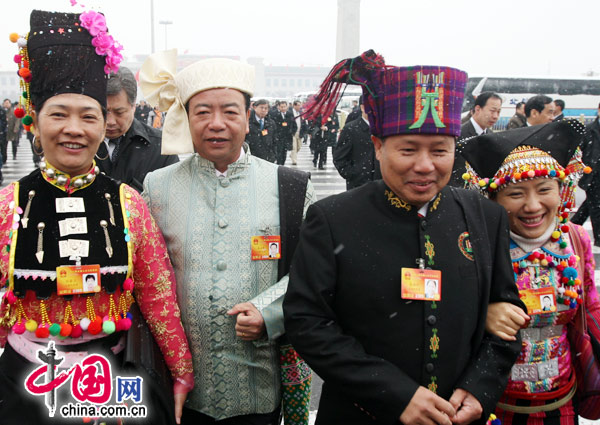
point(102, 42)
point(93, 21)
point(113, 58)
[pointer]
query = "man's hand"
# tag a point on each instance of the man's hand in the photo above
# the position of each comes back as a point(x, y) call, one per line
point(427, 408)
point(250, 324)
point(467, 407)
point(324, 127)
point(504, 320)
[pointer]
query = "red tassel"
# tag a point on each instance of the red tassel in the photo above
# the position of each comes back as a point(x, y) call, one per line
point(347, 71)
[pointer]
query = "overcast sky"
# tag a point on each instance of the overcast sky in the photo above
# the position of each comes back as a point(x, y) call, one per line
point(482, 37)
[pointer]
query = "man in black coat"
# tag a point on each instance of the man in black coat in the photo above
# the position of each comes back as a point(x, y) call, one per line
point(354, 155)
point(142, 111)
point(261, 136)
point(591, 182)
point(356, 111)
point(356, 308)
point(131, 148)
point(323, 136)
point(285, 127)
point(486, 112)
point(519, 119)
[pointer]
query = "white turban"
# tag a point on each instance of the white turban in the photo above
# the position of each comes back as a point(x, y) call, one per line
point(170, 92)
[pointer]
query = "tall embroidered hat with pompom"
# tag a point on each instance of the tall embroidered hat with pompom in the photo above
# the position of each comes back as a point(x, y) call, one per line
point(63, 53)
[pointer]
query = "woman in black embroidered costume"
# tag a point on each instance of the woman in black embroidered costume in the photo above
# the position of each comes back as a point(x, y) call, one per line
point(78, 248)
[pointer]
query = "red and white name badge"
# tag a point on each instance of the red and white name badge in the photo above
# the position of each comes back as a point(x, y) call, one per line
point(266, 247)
point(540, 300)
point(421, 284)
point(71, 280)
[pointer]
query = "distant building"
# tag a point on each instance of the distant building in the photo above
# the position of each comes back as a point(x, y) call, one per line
point(271, 81)
point(285, 81)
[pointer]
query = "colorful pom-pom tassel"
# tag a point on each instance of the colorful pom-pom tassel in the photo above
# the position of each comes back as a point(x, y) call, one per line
point(54, 329)
point(95, 326)
point(42, 331)
point(76, 332)
point(19, 327)
point(128, 284)
point(31, 325)
point(125, 323)
point(84, 323)
point(65, 329)
point(19, 112)
point(10, 297)
point(108, 327)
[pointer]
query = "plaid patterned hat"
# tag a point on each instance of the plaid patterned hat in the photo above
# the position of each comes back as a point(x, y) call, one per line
point(398, 100)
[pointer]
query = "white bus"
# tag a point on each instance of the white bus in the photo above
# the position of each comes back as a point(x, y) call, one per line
point(580, 94)
point(350, 93)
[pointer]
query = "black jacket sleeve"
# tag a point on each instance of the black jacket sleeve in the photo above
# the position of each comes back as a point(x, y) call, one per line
point(311, 324)
point(487, 374)
point(342, 154)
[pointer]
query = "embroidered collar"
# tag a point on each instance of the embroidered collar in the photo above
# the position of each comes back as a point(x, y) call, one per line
point(397, 202)
point(64, 181)
point(233, 170)
point(436, 202)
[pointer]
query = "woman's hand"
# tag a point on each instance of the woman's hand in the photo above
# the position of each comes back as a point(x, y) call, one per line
point(504, 320)
point(180, 392)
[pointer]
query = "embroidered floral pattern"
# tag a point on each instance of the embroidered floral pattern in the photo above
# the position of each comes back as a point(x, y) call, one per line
point(434, 344)
point(429, 250)
point(397, 202)
point(436, 203)
point(433, 385)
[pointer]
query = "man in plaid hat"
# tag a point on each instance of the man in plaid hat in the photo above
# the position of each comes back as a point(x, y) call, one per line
point(357, 309)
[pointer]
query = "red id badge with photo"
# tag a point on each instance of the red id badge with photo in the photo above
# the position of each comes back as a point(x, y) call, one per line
point(540, 300)
point(266, 247)
point(421, 284)
point(71, 280)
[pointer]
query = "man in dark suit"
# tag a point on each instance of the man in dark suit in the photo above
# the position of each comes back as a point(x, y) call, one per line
point(142, 111)
point(356, 111)
point(539, 110)
point(324, 135)
point(131, 148)
point(591, 182)
point(354, 155)
point(559, 107)
point(285, 127)
point(486, 112)
point(519, 119)
point(355, 307)
point(261, 134)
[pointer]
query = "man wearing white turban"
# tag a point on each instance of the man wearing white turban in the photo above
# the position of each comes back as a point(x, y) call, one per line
point(219, 211)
